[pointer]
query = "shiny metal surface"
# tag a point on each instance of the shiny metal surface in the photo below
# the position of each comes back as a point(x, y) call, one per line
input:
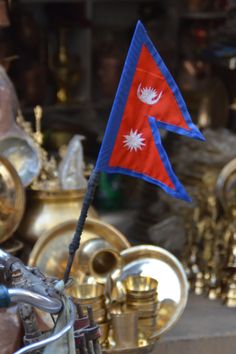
point(125, 329)
point(140, 285)
point(226, 185)
point(23, 155)
point(41, 302)
point(12, 199)
point(51, 250)
point(159, 264)
point(87, 293)
point(99, 258)
point(54, 337)
point(47, 209)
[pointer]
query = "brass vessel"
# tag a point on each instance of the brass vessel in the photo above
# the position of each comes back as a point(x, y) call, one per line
point(47, 209)
point(99, 258)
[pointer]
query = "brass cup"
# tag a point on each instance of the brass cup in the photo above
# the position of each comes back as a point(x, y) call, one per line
point(147, 314)
point(88, 293)
point(125, 329)
point(98, 258)
point(152, 307)
point(139, 286)
point(141, 299)
point(147, 322)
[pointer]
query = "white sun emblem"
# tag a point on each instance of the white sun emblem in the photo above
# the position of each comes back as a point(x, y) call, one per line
point(148, 95)
point(134, 141)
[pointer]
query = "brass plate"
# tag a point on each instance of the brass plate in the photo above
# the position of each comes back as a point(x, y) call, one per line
point(23, 155)
point(226, 185)
point(157, 263)
point(50, 253)
point(12, 199)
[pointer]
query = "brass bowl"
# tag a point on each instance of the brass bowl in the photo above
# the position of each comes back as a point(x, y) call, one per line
point(88, 293)
point(140, 285)
point(12, 199)
point(48, 209)
point(152, 307)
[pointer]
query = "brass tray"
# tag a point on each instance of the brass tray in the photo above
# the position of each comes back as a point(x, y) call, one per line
point(50, 252)
point(226, 185)
point(158, 263)
point(12, 199)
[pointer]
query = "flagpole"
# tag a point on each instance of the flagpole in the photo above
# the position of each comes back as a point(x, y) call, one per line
point(75, 243)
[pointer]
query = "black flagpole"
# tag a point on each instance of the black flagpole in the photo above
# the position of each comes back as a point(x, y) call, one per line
point(75, 243)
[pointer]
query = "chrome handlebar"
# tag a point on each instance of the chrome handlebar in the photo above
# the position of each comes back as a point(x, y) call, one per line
point(44, 303)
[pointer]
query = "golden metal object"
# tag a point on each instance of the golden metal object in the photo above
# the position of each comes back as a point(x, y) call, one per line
point(230, 295)
point(104, 327)
point(90, 295)
point(159, 264)
point(38, 112)
point(225, 185)
point(140, 286)
point(125, 329)
point(87, 293)
point(51, 250)
point(12, 199)
point(100, 315)
point(166, 311)
point(48, 209)
point(99, 258)
point(199, 284)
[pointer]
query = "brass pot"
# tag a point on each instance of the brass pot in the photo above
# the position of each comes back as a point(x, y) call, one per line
point(47, 209)
point(99, 258)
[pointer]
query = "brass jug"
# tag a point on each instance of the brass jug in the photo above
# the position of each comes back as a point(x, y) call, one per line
point(47, 209)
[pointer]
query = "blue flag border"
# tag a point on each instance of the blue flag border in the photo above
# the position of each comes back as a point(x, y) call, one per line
point(141, 38)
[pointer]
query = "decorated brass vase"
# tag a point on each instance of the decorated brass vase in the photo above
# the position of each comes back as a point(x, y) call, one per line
point(47, 209)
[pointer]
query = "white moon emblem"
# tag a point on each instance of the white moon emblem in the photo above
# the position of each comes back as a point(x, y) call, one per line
point(148, 95)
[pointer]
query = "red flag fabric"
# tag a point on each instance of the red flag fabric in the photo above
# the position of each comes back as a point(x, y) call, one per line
point(147, 99)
